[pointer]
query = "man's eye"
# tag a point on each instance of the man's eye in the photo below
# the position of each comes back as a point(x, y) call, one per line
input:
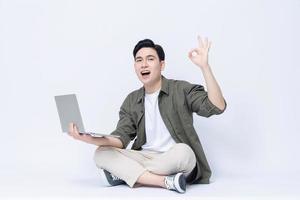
point(151, 59)
point(139, 60)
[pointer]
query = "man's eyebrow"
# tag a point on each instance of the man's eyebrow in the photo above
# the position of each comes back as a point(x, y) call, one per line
point(138, 57)
point(150, 55)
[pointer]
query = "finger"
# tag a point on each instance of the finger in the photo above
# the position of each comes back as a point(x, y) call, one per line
point(209, 45)
point(200, 41)
point(206, 42)
point(76, 133)
point(190, 54)
point(196, 50)
point(193, 52)
point(76, 130)
point(70, 128)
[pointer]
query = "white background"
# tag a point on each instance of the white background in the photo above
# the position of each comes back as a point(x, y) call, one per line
point(58, 47)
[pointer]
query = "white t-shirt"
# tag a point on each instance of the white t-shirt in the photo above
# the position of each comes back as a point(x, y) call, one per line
point(157, 135)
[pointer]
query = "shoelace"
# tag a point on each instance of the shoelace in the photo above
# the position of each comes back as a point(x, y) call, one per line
point(169, 182)
point(115, 178)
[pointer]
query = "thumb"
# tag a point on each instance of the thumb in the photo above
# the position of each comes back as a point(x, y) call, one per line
point(76, 129)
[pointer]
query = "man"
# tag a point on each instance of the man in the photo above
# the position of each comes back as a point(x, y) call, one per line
point(166, 151)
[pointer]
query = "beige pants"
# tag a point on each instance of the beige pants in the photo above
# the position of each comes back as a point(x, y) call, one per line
point(129, 165)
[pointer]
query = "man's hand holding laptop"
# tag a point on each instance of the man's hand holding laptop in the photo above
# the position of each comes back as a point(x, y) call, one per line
point(73, 131)
point(99, 141)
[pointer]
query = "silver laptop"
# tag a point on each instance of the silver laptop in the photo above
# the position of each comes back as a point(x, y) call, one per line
point(68, 111)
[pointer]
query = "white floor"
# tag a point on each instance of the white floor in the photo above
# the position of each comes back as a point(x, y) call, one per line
point(52, 186)
point(61, 168)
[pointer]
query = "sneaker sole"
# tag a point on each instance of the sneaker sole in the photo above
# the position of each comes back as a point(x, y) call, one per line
point(180, 183)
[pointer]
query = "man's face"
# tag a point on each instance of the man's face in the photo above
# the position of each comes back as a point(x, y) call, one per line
point(147, 66)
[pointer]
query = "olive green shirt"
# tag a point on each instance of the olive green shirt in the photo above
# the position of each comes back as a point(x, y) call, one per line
point(177, 101)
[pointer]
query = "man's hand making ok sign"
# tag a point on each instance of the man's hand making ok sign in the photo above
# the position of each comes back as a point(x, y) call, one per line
point(199, 56)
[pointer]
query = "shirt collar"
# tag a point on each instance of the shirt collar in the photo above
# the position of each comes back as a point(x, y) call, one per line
point(164, 89)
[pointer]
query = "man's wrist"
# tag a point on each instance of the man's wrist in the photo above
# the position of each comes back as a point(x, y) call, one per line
point(205, 68)
point(100, 141)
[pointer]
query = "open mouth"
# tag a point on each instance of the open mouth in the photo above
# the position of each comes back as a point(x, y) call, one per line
point(145, 73)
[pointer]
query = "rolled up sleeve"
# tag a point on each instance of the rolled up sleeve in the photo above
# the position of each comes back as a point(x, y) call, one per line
point(126, 128)
point(198, 101)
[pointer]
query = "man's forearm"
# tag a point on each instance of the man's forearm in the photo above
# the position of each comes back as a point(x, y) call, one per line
point(107, 141)
point(213, 89)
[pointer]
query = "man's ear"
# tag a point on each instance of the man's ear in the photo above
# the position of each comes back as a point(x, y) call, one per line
point(162, 65)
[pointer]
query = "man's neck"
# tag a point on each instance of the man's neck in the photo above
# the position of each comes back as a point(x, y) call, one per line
point(149, 89)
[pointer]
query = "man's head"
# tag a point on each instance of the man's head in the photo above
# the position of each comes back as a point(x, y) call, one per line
point(149, 61)
point(149, 43)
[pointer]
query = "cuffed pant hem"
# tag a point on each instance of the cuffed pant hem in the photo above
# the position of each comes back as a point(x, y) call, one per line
point(133, 179)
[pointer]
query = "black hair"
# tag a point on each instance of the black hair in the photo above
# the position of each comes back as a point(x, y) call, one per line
point(149, 43)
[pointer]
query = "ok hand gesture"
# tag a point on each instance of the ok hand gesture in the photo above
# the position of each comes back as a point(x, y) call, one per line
point(199, 56)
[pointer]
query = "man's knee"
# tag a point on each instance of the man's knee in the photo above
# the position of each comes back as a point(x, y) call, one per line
point(102, 155)
point(186, 156)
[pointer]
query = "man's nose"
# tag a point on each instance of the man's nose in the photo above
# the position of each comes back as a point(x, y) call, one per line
point(144, 64)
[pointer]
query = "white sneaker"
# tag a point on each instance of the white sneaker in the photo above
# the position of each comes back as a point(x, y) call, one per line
point(176, 182)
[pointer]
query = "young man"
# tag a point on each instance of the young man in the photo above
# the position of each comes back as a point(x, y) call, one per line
point(166, 151)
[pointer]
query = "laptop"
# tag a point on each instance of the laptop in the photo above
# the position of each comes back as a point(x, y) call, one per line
point(68, 111)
